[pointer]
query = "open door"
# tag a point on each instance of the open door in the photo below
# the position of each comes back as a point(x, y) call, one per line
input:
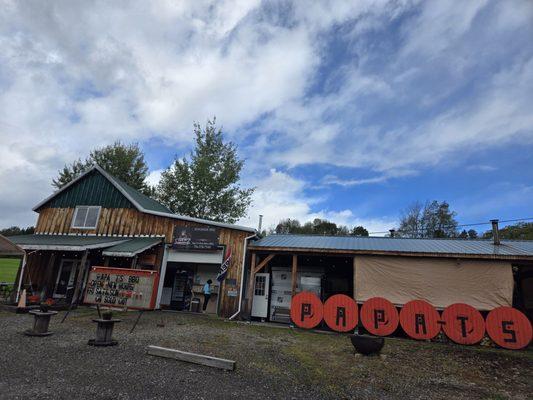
point(261, 293)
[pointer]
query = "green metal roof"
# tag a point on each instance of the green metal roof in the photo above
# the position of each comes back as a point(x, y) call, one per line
point(132, 247)
point(65, 242)
point(92, 189)
point(144, 201)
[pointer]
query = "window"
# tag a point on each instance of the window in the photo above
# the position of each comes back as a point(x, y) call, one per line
point(86, 217)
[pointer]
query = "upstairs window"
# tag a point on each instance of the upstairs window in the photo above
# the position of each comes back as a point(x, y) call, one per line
point(86, 217)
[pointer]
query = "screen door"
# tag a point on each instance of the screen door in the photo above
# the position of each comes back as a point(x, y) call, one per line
point(260, 295)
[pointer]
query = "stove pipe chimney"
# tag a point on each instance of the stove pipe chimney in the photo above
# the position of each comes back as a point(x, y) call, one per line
point(260, 223)
point(495, 231)
point(392, 231)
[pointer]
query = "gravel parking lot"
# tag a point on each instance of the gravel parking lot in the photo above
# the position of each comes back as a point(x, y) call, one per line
point(272, 363)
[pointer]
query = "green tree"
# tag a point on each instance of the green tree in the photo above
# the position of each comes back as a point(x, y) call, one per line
point(519, 231)
point(432, 220)
point(207, 185)
point(15, 230)
point(125, 161)
point(359, 231)
point(317, 226)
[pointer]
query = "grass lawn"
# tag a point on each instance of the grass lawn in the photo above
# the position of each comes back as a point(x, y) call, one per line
point(8, 269)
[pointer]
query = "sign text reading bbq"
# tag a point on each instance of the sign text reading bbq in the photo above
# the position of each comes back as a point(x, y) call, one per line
point(195, 238)
point(122, 288)
point(463, 324)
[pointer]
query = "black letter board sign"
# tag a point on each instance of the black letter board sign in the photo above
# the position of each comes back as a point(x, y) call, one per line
point(195, 238)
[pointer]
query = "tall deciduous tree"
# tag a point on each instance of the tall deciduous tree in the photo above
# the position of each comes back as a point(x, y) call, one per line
point(124, 161)
point(432, 220)
point(518, 231)
point(206, 185)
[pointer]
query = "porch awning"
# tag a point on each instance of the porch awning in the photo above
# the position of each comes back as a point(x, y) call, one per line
point(132, 247)
point(8, 248)
point(65, 242)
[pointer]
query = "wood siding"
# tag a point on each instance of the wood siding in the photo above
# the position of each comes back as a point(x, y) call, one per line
point(130, 223)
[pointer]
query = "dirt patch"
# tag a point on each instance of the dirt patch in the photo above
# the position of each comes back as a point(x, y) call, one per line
point(272, 363)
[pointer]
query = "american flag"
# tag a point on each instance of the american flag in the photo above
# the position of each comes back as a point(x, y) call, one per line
point(224, 266)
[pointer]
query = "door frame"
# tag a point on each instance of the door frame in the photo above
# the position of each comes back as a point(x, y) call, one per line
point(266, 295)
point(75, 266)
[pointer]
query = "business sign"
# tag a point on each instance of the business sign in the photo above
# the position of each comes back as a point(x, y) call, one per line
point(463, 324)
point(121, 287)
point(195, 238)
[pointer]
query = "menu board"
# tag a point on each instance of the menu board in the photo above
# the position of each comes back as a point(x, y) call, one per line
point(122, 288)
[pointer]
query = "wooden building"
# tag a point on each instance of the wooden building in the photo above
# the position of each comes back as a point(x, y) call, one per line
point(98, 220)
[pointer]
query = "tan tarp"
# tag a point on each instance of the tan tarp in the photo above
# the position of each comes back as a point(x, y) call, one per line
point(483, 284)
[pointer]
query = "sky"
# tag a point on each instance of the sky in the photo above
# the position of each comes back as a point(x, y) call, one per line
point(345, 110)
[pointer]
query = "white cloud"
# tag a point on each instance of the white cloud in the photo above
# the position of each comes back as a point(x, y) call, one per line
point(154, 177)
point(76, 75)
point(279, 196)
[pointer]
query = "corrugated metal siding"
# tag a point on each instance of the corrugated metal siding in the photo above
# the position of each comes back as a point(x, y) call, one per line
point(93, 190)
point(444, 246)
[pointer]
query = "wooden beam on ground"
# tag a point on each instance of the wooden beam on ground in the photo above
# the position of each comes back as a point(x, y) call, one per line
point(294, 275)
point(201, 359)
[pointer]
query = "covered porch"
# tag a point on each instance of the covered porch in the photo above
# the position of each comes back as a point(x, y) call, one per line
point(56, 267)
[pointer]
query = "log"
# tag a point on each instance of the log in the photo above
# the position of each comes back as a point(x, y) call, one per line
point(201, 359)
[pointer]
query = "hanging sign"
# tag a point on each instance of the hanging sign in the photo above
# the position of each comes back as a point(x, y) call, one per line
point(122, 288)
point(195, 238)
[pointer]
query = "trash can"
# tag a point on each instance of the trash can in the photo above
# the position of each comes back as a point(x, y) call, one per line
point(195, 304)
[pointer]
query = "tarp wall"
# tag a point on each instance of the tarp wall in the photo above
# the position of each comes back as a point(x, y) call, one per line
point(483, 284)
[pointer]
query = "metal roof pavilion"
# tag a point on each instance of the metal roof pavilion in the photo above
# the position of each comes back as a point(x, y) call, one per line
point(508, 249)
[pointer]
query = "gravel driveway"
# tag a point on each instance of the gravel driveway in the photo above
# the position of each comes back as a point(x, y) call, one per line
point(272, 363)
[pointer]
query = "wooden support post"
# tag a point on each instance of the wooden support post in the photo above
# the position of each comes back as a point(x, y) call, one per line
point(249, 294)
point(294, 275)
point(354, 280)
point(81, 274)
point(134, 262)
point(106, 261)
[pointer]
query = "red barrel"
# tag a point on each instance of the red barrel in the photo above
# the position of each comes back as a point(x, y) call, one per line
point(509, 328)
point(306, 310)
point(379, 316)
point(463, 324)
point(420, 320)
point(340, 313)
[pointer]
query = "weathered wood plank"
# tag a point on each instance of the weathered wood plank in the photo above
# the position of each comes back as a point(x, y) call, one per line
point(201, 359)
